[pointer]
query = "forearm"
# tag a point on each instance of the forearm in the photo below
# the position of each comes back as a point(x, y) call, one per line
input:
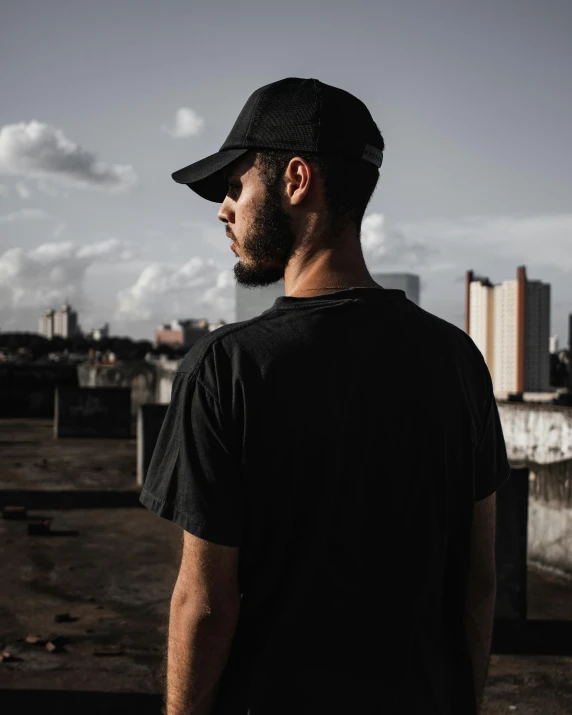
point(479, 619)
point(198, 648)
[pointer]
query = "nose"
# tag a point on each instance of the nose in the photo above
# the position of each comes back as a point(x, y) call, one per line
point(224, 213)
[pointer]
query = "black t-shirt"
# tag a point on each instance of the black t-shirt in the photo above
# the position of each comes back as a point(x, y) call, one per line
point(340, 441)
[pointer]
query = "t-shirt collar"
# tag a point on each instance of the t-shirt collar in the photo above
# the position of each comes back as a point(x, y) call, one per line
point(369, 293)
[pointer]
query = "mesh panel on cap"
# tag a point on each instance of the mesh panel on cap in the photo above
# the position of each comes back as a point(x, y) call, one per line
point(347, 123)
point(287, 122)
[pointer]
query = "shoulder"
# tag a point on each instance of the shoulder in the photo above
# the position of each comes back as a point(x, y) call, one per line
point(211, 357)
point(457, 351)
point(451, 337)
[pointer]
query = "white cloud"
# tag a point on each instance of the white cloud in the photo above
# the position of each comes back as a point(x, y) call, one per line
point(149, 294)
point(199, 288)
point(382, 247)
point(22, 190)
point(4, 191)
point(50, 274)
point(59, 229)
point(108, 247)
point(50, 189)
point(38, 150)
point(26, 215)
point(438, 245)
point(187, 123)
point(543, 240)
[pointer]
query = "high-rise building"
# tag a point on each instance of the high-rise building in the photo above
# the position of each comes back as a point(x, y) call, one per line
point(407, 282)
point(480, 326)
point(554, 344)
point(47, 324)
point(65, 322)
point(62, 322)
point(510, 324)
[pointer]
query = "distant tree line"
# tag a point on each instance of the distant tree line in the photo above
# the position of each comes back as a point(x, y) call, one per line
point(40, 347)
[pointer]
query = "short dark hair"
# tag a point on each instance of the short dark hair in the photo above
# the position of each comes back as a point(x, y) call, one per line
point(349, 183)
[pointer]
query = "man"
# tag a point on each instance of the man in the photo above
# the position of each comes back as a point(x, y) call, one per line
point(333, 461)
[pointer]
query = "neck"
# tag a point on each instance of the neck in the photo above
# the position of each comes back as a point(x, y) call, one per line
point(321, 266)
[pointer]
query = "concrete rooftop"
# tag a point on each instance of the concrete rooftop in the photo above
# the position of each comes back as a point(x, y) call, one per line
point(115, 578)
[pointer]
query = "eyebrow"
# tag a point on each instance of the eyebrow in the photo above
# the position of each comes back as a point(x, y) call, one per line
point(228, 176)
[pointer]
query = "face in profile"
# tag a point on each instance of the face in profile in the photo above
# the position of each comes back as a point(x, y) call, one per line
point(260, 226)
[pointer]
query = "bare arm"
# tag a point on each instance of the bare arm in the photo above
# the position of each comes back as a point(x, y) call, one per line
point(198, 648)
point(203, 618)
point(481, 591)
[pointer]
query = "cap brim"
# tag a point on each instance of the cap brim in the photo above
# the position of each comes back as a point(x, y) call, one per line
point(205, 177)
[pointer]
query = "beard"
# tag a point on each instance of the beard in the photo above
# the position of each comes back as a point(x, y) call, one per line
point(267, 245)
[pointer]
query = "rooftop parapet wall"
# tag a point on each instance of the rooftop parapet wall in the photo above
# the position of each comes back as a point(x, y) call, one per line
point(149, 382)
point(535, 432)
point(140, 377)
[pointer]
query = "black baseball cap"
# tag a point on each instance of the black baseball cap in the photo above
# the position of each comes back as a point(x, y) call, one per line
point(300, 115)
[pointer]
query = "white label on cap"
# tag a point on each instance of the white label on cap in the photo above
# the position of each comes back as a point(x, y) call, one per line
point(372, 154)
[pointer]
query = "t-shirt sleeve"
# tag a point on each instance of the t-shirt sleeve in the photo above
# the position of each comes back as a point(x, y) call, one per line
point(193, 478)
point(492, 468)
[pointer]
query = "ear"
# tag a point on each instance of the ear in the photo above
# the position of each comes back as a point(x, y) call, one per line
point(299, 176)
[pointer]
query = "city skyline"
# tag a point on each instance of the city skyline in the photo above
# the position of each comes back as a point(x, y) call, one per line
point(473, 104)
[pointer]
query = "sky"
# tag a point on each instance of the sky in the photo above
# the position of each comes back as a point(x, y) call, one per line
point(101, 102)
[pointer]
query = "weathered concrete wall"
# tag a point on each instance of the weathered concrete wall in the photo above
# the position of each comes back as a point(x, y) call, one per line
point(141, 377)
point(535, 432)
point(100, 412)
point(550, 515)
